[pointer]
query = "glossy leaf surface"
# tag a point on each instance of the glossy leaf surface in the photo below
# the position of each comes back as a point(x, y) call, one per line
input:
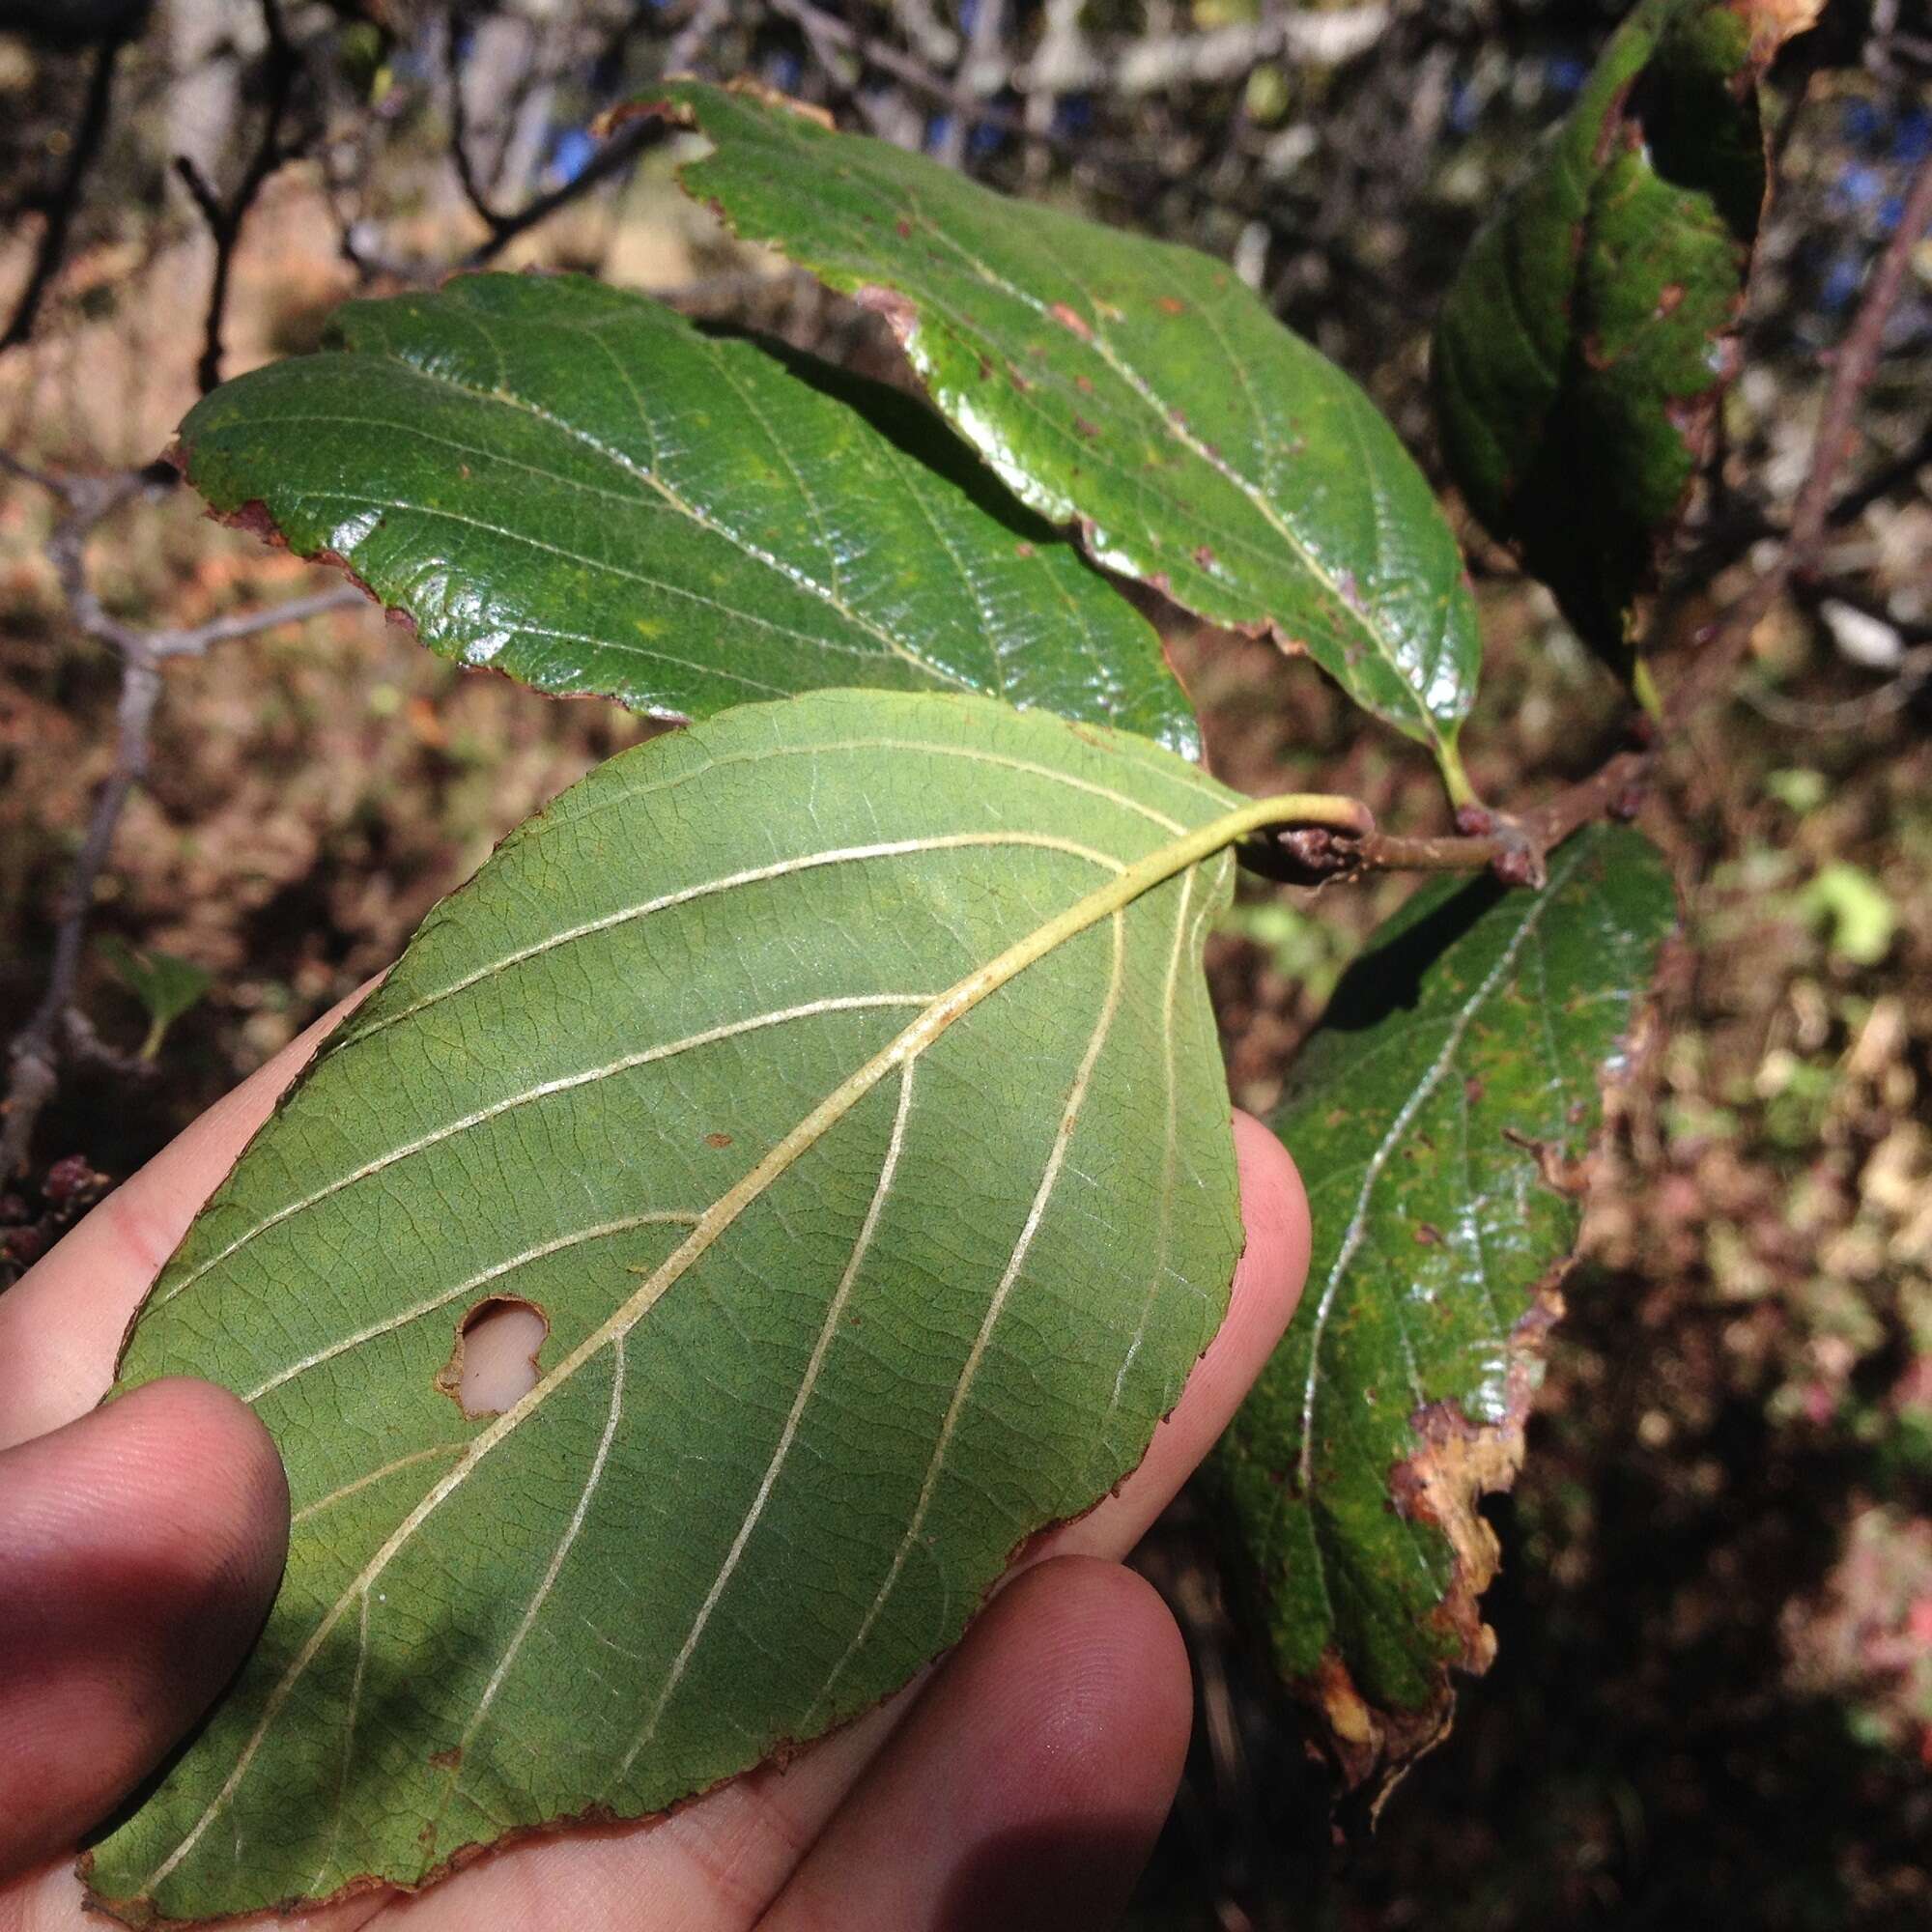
point(1585, 344)
point(864, 1252)
point(1136, 389)
point(574, 485)
point(1436, 1115)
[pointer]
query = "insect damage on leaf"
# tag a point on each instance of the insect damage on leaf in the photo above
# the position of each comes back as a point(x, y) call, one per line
point(871, 1167)
point(1460, 1056)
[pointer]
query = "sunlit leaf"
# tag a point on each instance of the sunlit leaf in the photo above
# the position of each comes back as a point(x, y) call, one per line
point(574, 485)
point(838, 1080)
point(1135, 389)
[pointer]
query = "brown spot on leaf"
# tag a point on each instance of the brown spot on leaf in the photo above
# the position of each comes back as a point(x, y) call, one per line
point(1072, 320)
point(903, 229)
point(446, 1760)
point(1668, 297)
point(1023, 549)
point(1084, 384)
point(1204, 555)
point(1170, 305)
point(1427, 1235)
point(717, 1139)
point(1082, 427)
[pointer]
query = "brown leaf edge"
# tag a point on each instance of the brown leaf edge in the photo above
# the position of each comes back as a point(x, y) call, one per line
point(903, 318)
point(138, 1912)
point(1456, 1463)
point(256, 519)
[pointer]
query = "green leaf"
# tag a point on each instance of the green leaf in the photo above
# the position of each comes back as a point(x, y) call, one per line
point(165, 985)
point(839, 1080)
point(1437, 1116)
point(1136, 389)
point(574, 485)
point(1585, 344)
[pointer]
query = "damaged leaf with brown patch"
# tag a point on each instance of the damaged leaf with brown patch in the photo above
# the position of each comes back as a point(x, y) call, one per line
point(1588, 341)
point(1466, 1048)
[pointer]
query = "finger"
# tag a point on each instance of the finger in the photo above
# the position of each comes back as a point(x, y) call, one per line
point(1028, 1786)
point(61, 1324)
point(1267, 1284)
point(139, 1550)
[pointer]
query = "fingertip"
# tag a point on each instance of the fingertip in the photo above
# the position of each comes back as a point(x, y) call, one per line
point(1081, 1667)
point(232, 1518)
point(1031, 1778)
point(1274, 1211)
point(144, 1545)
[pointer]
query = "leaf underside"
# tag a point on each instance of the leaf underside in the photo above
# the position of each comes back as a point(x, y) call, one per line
point(760, 1481)
point(1588, 338)
point(575, 486)
point(1130, 387)
point(1454, 1079)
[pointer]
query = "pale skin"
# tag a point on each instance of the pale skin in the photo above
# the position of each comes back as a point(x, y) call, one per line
point(1020, 1783)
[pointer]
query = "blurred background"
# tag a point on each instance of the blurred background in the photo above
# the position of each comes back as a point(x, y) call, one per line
point(1713, 1693)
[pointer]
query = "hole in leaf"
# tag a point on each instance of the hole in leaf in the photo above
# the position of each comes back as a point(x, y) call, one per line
point(494, 1364)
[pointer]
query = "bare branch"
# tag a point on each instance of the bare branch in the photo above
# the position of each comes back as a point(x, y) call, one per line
point(35, 1050)
point(225, 218)
point(1723, 643)
point(1219, 55)
point(63, 203)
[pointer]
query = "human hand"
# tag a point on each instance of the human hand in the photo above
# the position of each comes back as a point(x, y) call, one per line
point(1019, 1784)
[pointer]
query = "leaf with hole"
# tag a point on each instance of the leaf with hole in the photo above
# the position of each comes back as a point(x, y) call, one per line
point(835, 1084)
point(1590, 335)
point(574, 485)
point(1134, 387)
point(1438, 1115)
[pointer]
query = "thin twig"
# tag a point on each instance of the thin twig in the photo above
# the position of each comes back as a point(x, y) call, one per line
point(36, 1051)
point(1513, 851)
point(61, 206)
point(1722, 643)
point(631, 139)
point(225, 218)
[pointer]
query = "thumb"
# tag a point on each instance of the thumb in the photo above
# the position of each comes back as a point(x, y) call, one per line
point(140, 1548)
